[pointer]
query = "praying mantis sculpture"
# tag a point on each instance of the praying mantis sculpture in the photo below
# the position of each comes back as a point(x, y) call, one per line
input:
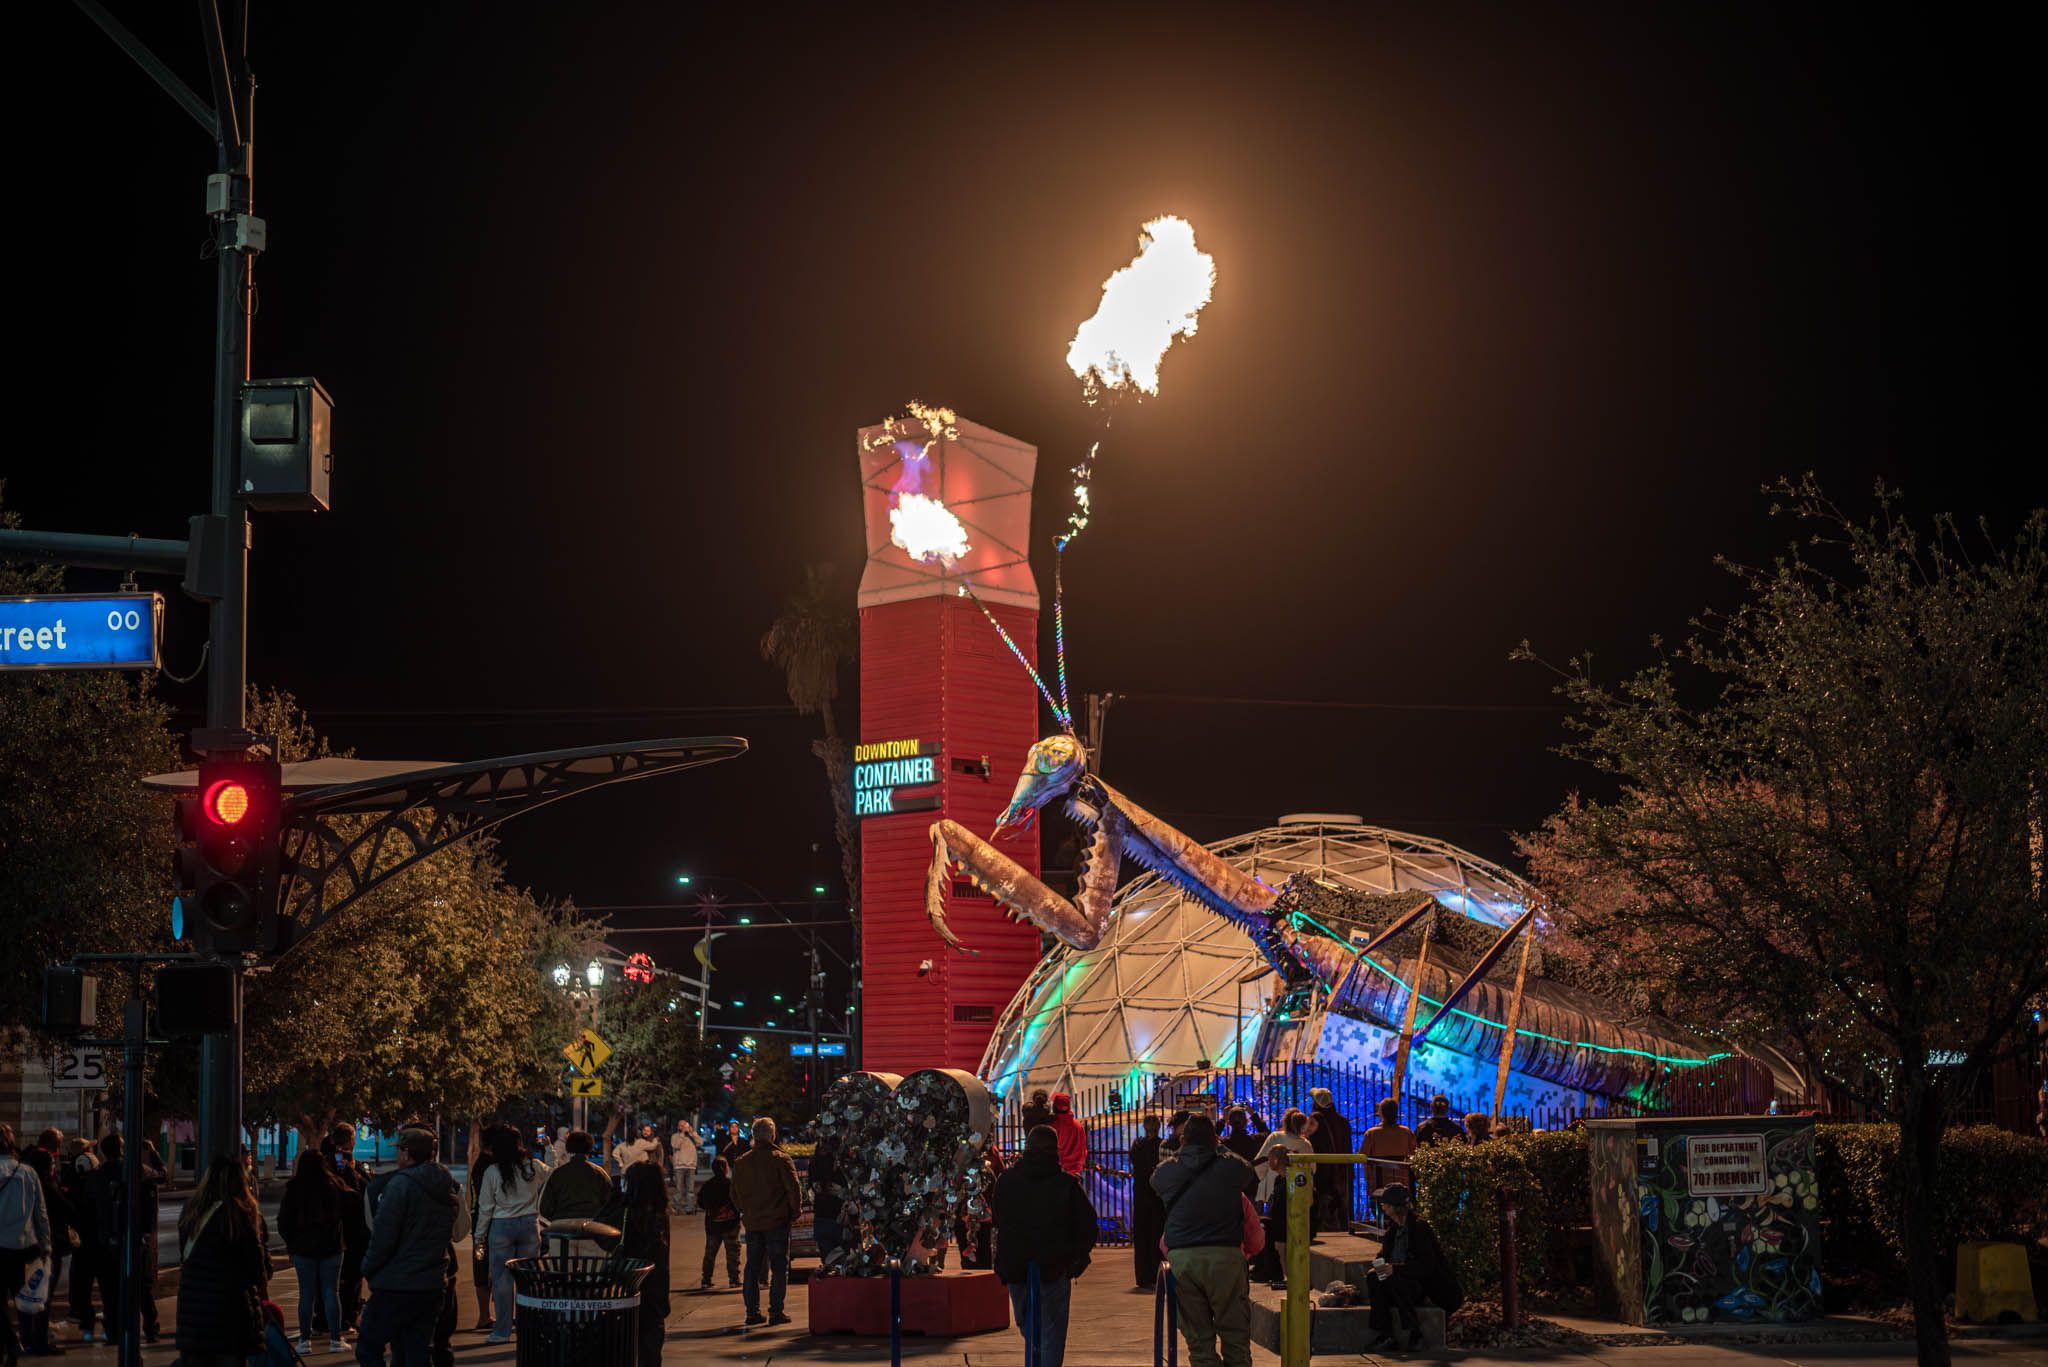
point(1569, 1037)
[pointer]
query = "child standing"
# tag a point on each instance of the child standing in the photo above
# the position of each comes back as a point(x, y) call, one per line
point(721, 1224)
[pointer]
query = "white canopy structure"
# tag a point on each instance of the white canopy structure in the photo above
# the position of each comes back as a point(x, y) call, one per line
point(1174, 985)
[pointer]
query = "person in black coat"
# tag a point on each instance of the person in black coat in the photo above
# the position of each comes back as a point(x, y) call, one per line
point(1412, 1271)
point(310, 1221)
point(1332, 1134)
point(644, 1237)
point(110, 1200)
point(1148, 1212)
point(1037, 1111)
point(224, 1274)
point(1042, 1217)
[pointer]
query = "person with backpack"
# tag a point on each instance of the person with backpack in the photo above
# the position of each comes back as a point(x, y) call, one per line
point(644, 1236)
point(35, 1324)
point(1042, 1217)
point(24, 1236)
point(310, 1222)
point(223, 1271)
point(721, 1225)
point(1203, 1187)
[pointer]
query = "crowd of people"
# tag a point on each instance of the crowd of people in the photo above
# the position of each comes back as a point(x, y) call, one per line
point(1207, 1203)
point(376, 1256)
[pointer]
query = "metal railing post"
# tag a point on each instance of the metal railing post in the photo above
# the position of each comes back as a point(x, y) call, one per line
point(1510, 1307)
point(895, 1312)
point(1032, 1355)
point(1294, 1311)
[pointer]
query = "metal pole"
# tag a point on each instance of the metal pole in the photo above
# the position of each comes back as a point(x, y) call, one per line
point(1414, 1000)
point(220, 1056)
point(134, 1043)
point(1294, 1311)
point(895, 1312)
point(812, 998)
point(1514, 1021)
point(1510, 1307)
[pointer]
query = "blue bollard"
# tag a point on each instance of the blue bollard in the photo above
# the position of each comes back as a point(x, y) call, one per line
point(895, 1312)
point(1031, 1313)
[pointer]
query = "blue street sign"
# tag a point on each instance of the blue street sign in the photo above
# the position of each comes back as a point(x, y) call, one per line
point(81, 631)
point(834, 1050)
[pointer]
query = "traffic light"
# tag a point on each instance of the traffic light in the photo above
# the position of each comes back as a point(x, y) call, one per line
point(228, 855)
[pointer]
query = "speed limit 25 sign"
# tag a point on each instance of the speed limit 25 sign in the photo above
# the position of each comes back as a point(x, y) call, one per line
point(81, 1070)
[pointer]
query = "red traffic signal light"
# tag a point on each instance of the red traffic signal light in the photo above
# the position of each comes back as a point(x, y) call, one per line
point(227, 802)
point(231, 852)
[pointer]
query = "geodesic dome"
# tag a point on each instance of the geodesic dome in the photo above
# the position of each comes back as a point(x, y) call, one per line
point(1174, 984)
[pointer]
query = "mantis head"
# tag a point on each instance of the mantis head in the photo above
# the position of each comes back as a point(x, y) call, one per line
point(1051, 769)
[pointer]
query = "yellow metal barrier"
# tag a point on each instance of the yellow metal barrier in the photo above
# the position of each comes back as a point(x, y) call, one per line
point(1294, 1311)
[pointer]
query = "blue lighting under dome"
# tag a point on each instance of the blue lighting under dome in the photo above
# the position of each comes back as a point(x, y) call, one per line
point(1163, 992)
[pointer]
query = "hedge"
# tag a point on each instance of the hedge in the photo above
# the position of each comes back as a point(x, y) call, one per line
point(1457, 1190)
point(1992, 1185)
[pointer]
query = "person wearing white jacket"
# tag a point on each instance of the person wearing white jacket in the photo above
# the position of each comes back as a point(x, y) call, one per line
point(24, 1235)
point(508, 1216)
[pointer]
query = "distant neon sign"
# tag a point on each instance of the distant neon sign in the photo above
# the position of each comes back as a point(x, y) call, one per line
point(882, 768)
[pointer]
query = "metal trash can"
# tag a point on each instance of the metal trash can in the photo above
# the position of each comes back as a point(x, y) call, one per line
point(577, 1311)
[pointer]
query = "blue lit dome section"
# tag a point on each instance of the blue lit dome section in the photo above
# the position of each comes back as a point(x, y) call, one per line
point(1163, 991)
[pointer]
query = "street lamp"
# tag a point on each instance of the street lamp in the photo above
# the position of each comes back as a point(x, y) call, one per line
point(562, 976)
point(593, 973)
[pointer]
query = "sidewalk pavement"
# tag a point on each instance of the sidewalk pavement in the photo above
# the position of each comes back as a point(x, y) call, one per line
point(1110, 1326)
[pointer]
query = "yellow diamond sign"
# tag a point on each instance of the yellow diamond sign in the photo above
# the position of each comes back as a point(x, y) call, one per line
point(587, 1053)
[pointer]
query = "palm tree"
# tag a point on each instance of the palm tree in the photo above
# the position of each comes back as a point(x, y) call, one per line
point(809, 642)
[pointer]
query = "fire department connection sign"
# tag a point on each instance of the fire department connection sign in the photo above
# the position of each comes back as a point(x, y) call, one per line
point(883, 768)
point(1725, 1165)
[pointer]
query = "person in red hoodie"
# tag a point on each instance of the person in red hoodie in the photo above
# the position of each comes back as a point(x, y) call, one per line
point(1073, 1139)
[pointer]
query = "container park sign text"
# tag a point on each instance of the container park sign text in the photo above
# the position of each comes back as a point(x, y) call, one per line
point(881, 767)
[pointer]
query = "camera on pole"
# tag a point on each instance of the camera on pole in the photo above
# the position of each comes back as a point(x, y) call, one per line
point(228, 855)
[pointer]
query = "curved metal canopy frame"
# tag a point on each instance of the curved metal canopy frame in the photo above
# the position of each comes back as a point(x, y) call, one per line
point(326, 868)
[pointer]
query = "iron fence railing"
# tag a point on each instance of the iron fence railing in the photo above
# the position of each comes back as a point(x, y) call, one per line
point(1112, 1116)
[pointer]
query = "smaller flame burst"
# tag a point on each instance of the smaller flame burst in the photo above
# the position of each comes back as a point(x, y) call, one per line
point(919, 522)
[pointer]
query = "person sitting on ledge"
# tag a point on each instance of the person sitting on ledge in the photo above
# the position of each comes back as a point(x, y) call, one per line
point(1410, 1271)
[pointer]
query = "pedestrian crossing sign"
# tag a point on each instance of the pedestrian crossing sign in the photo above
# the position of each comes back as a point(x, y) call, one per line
point(587, 1052)
point(586, 1086)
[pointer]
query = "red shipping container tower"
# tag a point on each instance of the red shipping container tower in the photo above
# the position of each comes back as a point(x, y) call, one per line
point(946, 716)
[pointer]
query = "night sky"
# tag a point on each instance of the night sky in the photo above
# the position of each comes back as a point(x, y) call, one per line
point(1516, 309)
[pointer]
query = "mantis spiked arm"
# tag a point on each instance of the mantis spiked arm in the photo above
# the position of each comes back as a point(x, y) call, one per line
point(1119, 828)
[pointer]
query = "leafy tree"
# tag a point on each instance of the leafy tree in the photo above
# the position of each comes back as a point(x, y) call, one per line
point(1828, 828)
point(86, 852)
point(809, 642)
point(426, 996)
point(657, 1064)
point(770, 1083)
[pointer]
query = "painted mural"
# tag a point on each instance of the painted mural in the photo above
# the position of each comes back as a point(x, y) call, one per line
point(1708, 1220)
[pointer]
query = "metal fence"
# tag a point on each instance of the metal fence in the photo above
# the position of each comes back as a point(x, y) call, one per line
point(1113, 1117)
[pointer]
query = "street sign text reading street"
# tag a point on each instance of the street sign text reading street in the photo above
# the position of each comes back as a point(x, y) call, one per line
point(81, 631)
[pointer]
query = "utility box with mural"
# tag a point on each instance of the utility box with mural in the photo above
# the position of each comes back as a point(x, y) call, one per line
point(1706, 1219)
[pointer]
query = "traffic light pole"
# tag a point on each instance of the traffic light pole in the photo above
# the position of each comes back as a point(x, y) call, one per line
point(237, 237)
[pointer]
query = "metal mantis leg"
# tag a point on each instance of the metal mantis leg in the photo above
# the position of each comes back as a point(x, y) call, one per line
point(1022, 896)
